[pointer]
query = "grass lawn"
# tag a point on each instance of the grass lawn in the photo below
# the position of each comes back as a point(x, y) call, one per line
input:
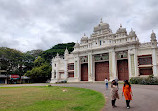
point(50, 99)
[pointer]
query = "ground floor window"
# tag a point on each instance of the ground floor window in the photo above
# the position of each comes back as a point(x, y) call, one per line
point(71, 74)
point(146, 71)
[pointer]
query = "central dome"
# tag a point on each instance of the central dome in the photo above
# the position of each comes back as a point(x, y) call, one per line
point(121, 30)
point(101, 26)
point(84, 38)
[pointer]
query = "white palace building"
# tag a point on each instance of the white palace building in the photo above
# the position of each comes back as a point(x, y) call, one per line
point(107, 55)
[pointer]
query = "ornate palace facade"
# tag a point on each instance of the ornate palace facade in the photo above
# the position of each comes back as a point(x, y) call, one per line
point(107, 55)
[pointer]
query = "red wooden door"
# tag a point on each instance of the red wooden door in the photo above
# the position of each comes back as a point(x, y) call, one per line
point(122, 67)
point(84, 72)
point(101, 71)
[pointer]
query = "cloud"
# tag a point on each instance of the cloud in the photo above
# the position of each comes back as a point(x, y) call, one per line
point(40, 24)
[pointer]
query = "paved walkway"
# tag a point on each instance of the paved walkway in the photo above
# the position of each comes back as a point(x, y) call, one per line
point(145, 98)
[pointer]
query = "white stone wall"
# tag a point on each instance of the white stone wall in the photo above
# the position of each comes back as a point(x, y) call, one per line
point(147, 51)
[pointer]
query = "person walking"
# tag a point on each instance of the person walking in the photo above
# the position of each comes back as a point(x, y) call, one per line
point(106, 83)
point(127, 93)
point(114, 93)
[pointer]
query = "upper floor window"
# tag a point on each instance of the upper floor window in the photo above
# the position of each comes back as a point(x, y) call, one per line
point(71, 66)
point(100, 42)
point(145, 60)
point(54, 74)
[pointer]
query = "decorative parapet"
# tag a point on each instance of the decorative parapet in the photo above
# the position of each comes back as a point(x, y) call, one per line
point(106, 41)
point(144, 45)
point(101, 57)
point(59, 58)
point(122, 55)
point(84, 59)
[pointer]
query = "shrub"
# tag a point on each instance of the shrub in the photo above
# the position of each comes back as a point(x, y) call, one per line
point(150, 80)
point(64, 81)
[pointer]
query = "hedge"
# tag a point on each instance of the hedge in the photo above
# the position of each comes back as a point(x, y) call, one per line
point(150, 80)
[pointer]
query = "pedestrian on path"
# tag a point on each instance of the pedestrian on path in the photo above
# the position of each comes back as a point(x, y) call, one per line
point(127, 93)
point(106, 83)
point(114, 93)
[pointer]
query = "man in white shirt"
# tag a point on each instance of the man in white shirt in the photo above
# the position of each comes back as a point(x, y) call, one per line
point(106, 83)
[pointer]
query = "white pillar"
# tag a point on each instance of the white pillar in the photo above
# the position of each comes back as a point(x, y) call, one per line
point(52, 71)
point(90, 67)
point(129, 64)
point(154, 61)
point(65, 70)
point(112, 65)
point(93, 70)
point(52, 74)
point(77, 68)
point(136, 62)
point(57, 70)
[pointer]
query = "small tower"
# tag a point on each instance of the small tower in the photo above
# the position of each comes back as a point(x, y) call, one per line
point(154, 52)
point(77, 45)
point(101, 20)
point(66, 53)
point(133, 35)
point(120, 25)
point(57, 56)
point(153, 39)
point(121, 32)
point(84, 39)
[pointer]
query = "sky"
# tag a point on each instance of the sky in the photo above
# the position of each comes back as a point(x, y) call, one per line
point(40, 24)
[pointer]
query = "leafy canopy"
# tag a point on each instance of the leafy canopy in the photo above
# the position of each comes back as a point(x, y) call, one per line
point(59, 48)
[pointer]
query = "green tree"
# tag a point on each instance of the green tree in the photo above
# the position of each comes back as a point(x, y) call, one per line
point(10, 58)
point(28, 61)
point(40, 73)
point(59, 48)
point(38, 61)
point(35, 53)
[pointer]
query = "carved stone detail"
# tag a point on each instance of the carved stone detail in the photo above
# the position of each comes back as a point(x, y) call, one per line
point(101, 57)
point(84, 59)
